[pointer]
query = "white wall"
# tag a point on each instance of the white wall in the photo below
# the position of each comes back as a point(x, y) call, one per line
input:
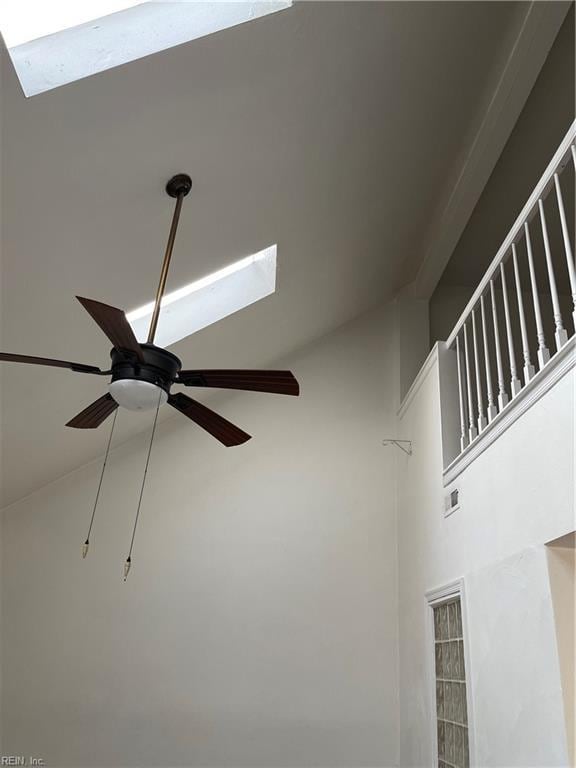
point(518, 716)
point(258, 626)
point(514, 497)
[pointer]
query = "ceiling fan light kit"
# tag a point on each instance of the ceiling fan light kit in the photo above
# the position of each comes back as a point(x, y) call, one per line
point(142, 375)
point(137, 384)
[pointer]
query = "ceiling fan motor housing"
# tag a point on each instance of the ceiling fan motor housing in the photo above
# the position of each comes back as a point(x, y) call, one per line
point(140, 385)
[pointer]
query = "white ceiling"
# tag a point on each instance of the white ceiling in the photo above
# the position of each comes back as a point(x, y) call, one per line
point(330, 129)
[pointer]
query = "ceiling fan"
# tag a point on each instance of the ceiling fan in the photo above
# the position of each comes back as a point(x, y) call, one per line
point(142, 375)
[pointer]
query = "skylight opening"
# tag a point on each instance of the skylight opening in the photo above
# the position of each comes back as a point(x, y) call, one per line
point(55, 42)
point(24, 20)
point(205, 301)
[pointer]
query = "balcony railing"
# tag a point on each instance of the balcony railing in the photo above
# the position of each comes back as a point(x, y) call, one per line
point(518, 319)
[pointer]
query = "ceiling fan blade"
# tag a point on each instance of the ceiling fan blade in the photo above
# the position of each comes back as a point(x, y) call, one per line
point(78, 367)
point(218, 426)
point(114, 324)
point(97, 412)
point(277, 382)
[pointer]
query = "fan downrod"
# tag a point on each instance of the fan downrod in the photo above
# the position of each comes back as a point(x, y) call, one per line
point(178, 187)
point(181, 184)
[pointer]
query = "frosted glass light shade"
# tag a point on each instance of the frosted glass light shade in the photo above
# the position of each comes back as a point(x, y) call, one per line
point(137, 395)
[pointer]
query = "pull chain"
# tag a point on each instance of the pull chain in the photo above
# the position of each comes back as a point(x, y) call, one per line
point(86, 544)
point(128, 562)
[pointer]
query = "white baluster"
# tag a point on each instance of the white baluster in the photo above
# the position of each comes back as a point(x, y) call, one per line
point(543, 351)
point(567, 245)
point(502, 394)
point(560, 335)
point(479, 399)
point(515, 384)
point(491, 410)
point(472, 431)
point(528, 367)
point(463, 438)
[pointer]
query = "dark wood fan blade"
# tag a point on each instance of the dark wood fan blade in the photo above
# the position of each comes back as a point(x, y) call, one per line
point(114, 324)
point(277, 382)
point(78, 367)
point(218, 426)
point(97, 412)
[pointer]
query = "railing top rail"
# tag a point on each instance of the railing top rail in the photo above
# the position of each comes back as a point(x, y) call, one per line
point(559, 160)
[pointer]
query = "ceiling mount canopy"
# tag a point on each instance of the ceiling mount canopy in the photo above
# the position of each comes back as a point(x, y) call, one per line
point(179, 185)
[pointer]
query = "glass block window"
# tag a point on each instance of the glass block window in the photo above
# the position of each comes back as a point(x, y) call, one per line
point(451, 714)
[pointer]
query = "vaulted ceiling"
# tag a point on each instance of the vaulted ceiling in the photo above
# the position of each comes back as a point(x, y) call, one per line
point(330, 129)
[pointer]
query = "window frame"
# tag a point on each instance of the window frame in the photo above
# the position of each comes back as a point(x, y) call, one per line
point(435, 598)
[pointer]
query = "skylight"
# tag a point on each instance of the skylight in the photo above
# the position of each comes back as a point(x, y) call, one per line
point(205, 301)
point(54, 42)
point(25, 20)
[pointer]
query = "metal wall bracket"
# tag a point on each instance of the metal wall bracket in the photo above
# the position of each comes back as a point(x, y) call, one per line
point(404, 445)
